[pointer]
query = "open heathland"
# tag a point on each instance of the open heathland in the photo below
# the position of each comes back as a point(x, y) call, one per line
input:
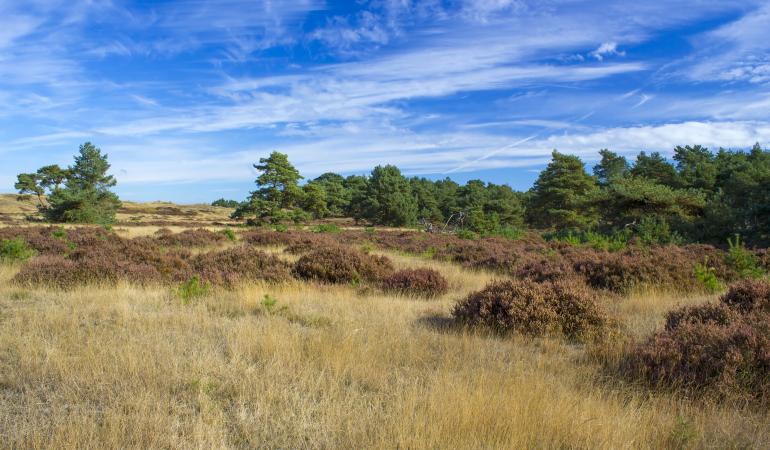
point(216, 337)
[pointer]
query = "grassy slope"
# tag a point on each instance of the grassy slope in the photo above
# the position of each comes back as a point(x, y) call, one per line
point(13, 212)
point(337, 368)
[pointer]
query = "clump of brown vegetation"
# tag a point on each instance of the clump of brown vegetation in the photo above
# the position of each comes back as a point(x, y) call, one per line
point(667, 267)
point(308, 242)
point(342, 265)
point(198, 237)
point(91, 255)
point(563, 307)
point(242, 263)
point(64, 273)
point(722, 348)
point(44, 240)
point(268, 238)
point(420, 282)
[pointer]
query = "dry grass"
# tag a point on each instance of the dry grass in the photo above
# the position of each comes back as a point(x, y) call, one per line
point(131, 214)
point(326, 367)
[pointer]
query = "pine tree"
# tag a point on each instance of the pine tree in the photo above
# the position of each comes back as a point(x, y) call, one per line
point(277, 191)
point(86, 195)
point(562, 195)
point(389, 199)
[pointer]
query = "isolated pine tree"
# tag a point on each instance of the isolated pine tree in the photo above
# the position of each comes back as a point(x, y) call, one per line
point(85, 196)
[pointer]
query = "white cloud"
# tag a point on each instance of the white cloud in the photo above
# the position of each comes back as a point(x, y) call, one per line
point(736, 51)
point(607, 49)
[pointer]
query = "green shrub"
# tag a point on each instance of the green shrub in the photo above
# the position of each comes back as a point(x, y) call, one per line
point(192, 289)
point(326, 228)
point(269, 302)
point(611, 242)
point(742, 260)
point(15, 250)
point(280, 228)
point(655, 231)
point(230, 234)
point(59, 233)
point(507, 232)
point(467, 234)
point(707, 275)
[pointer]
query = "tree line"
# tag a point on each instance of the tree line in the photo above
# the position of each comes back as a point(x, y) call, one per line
point(699, 195)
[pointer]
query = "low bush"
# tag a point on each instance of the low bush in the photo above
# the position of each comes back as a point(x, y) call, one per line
point(748, 295)
point(742, 260)
point(326, 228)
point(230, 234)
point(192, 289)
point(707, 276)
point(60, 272)
point(342, 265)
point(667, 267)
point(240, 264)
point(40, 239)
point(526, 307)
point(416, 282)
point(304, 244)
point(15, 250)
point(467, 234)
point(721, 348)
point(190, 238)
point(268, 238)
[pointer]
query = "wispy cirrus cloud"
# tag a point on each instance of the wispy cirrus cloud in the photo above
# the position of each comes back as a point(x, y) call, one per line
point(178, 91)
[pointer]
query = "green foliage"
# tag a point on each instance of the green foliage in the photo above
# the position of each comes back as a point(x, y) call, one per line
point(561, 197)
point(269, 302)
point(338, 196)
point(629, 200)
point(508, 232)
point(742, 260)
point(612, 167)
point(467, 234)
point(653, 230)
point(358, 187)
point(654, 167)
point(277, 191)
point(389, 199)
point(281, 228)
point(611, 242)
point(225, 203)
point(15, 250)
point(314, 200)
point(696, 167)
point(192, 289)
point(29, 183)
point(704, 197)
point(326, 228)
point(230, 234)
point(85, 196)
point(59, 233)
point(707, 275)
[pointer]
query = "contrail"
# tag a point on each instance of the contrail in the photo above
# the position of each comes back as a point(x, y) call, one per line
point(638, 91)
point(492, 153)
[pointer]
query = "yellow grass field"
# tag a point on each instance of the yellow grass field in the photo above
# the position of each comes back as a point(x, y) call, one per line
point(326, 367)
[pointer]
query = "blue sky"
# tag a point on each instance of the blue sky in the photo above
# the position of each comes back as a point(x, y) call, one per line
point(185, 95)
